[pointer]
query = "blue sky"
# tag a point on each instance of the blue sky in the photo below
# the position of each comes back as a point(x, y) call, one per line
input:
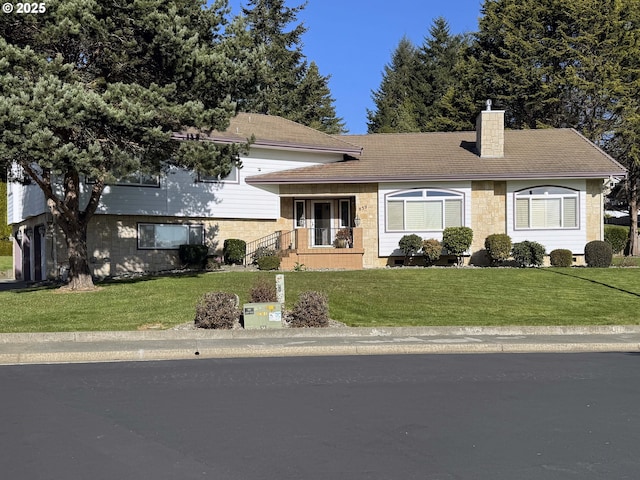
point(352, 40)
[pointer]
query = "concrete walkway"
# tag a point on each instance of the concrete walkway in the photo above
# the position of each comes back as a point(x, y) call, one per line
point(82, 347)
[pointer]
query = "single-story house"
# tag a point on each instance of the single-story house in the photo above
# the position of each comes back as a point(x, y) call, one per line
point(298, 188)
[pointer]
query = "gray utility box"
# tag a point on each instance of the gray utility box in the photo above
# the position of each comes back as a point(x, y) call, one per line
point(262, 315)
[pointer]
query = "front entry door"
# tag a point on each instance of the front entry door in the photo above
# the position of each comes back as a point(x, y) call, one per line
point(321, 224)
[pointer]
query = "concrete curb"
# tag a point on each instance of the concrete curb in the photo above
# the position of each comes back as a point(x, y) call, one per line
point(167, 335)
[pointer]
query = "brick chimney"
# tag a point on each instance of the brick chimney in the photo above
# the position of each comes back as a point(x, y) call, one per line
point(490, 133)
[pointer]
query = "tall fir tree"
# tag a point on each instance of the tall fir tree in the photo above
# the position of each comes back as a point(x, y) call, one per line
point(444, 105)
point(316, 103)
point(284, 83)
point(396, 100)
point(93, 90)
point(570, 63)
point(426, 89)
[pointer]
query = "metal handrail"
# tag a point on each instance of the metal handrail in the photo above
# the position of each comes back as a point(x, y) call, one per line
point(277, 242)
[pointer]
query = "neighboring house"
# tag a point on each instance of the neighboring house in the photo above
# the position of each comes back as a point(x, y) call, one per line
point(299, 187)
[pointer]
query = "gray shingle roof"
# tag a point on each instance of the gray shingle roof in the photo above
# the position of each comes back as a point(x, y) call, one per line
point(269, 131)
point(544, 153)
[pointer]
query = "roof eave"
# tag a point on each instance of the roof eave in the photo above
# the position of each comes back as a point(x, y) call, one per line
point(272, 145)
point(256, 180)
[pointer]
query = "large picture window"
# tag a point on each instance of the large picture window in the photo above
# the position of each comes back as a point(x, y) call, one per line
point(168, 236)
point(424, 210)
point(546, 207)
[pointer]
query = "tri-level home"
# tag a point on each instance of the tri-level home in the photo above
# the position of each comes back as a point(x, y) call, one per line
point(338, 201)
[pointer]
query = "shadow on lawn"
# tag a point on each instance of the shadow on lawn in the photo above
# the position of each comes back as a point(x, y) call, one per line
point(590, 280)
point(25, 287)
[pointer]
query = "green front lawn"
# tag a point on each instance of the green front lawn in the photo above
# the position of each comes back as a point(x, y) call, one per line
point(6, 263)
point(390, 297)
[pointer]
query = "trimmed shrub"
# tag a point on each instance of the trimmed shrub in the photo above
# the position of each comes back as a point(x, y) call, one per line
point(269, 262)
point(311, 310)
point(598, 254)
point(410, 244)
point(262, 252)
point(457, 240)
point(217, 310)
point(193, 255)
point(263, 291)
point(561, 257)
point(617, 236)
point(498, 247)
point(431, 249)
point(528, 254)
point(234, 251)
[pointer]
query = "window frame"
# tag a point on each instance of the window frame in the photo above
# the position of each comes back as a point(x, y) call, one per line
point(426, 196)
point(233, 177)
point(190, 227)
point(300, 221)
point(553, 192)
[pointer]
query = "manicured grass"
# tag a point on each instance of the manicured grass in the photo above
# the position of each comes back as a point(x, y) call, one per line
point(391, 297)
point(6, 263)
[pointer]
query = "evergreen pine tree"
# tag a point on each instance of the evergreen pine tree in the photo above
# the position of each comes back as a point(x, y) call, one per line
point(395, 101)
point(283, 82)
point(93, 90)
point(316, 104)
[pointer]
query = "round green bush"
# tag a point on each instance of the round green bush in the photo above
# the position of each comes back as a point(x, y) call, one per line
point(234, 250)
point(561, 257)
point(528, 254)
point(410, 244)
point(598, 254)
point(457, 240)
point(617, 236)
point(498, 247)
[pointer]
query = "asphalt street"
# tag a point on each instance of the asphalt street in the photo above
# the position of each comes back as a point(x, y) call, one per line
point(422, 417)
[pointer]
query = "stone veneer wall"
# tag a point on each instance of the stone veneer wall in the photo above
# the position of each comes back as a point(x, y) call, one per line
point(366, 195)
point(488, 215)
point(113, 241)
point(595, 214)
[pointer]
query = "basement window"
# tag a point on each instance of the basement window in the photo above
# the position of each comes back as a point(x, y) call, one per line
point(168, 236)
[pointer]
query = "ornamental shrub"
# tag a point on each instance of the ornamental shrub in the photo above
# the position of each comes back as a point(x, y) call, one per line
point(457, 240)
point(528, 254)
point(410, 244)
point(311, 310)
point(193, 255)
point(431, 249)
point(217, 310)
point(263, 252)
point(263, 291)
point(269, 262)
point(561, 257)
point(234, 251)
point(617, 236)
point(498, 247)
point(598, 254)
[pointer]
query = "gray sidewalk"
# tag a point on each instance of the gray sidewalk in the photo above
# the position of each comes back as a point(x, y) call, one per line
point(83, 347)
